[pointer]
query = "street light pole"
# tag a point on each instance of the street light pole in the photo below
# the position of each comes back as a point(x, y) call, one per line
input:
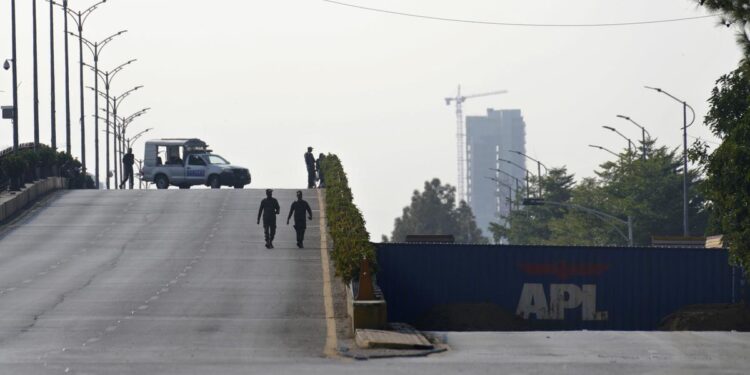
point(36, 76)
point(510, 193)
point(96, 49)
point(605, 149)
point(116, 101)
point(630, 143)
point(539, 166)
point(518, 182)
point(80, 18)
point(523, 169)
point(15, 76)
point(643, 133)
point(108, 77)
point(685, 125)
point(597, 213)
point(53, 111)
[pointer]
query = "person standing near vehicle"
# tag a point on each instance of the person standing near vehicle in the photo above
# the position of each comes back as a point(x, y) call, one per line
point(299, 208)
point(319, 167)
point(310, 163)
point(127, 166)
point(269, 208)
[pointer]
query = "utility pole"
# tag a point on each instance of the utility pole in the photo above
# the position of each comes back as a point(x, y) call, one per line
point(53, 112)
point(36, 76)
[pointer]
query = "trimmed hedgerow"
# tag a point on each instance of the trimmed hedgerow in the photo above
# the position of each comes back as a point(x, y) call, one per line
point(351, 242)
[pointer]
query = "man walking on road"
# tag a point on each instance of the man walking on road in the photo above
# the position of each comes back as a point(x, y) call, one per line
point(127, 166)
point(269, 208)
point(299, 208)
point(310, 163)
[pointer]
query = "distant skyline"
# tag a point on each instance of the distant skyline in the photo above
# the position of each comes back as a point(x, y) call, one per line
point(260, 81)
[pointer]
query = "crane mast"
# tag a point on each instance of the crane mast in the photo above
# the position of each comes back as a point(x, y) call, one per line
point(461, 138)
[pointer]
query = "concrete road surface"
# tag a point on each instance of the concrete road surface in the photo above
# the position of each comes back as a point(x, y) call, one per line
point(179, 282)
point(157, 280)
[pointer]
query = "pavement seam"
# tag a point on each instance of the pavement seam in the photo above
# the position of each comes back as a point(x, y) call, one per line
point(331, 338)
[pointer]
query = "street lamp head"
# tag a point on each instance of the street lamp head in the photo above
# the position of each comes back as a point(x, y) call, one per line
point(609, 128)
point(653, 88)
point(6, 64)
point(624, 117)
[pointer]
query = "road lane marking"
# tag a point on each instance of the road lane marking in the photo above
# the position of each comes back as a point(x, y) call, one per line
point(331, 339)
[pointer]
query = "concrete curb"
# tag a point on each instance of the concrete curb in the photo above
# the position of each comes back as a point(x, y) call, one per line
point(15, 203)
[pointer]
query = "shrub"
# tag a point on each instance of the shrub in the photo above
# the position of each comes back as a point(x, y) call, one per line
point(13, 166)
point(47, 156)
point(351, 242)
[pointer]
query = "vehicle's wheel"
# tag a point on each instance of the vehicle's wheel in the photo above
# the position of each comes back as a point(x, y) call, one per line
point(161, 181)
point(214, 182)
point(240, 186)
point(184, 186)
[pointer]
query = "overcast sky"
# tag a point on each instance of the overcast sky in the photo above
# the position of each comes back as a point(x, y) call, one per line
point(261, 80)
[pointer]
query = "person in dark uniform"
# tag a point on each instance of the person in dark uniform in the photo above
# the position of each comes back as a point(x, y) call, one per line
point(269, 208)
point(299, 208)
point(127, 166)
point(310, 163)
point(319, 167)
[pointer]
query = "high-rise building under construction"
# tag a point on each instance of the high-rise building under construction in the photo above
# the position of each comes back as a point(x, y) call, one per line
point(490, 141)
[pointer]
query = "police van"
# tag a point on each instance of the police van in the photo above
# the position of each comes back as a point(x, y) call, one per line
point(186, 162)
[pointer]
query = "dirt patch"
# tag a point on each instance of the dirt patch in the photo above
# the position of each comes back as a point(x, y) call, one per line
point(715, 317)
point(471, 317)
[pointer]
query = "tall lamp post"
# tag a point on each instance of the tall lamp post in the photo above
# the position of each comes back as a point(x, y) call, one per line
point(631, 145)
point(35, 65)
point(643, 133)
point(64, 7)
point(685, 125)
point(108, 77)
point(518, 182)
point(96, 49)
point(124, 123)
point(134, 138)
point(116, 102)
point(521, 168)
point(80, 17)
point(13, 64)
point(601, 215)
point(605, 149)
point(53, 110)
point(510, 193)
point(539, 166)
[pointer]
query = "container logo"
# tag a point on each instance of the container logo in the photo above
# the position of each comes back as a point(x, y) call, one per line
point(562, 297)
point(563, 270)
point(536, 301)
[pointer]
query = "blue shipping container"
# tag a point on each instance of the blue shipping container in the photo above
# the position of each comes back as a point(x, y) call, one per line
point(596, 288)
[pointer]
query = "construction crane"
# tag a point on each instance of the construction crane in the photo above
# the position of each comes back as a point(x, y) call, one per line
point(461, 136)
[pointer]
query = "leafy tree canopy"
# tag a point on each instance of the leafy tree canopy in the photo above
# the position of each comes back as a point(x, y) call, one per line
point(434, 211)
point(648, 190)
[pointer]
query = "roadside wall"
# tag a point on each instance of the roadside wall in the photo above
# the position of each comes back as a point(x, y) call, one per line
point(11, 204)
point(596, 288)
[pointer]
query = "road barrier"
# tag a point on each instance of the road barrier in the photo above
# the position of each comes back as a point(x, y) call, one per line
point(12, 204)
point(552, 288)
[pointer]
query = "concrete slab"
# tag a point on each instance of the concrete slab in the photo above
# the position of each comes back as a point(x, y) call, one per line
point(369, 338)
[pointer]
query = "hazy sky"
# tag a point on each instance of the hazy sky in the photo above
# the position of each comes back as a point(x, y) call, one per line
point(261, 80)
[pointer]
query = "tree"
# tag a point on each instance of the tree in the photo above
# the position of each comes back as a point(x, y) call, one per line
point(648, 190)
point(727, 184)
point(434, 211)
point(733, 12)
point(531, 225)
point(726, 168)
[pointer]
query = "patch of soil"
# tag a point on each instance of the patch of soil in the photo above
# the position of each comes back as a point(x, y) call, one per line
point(715, 317)
point(471, 317)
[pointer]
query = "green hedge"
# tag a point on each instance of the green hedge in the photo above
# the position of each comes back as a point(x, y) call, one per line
point(351, 242)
